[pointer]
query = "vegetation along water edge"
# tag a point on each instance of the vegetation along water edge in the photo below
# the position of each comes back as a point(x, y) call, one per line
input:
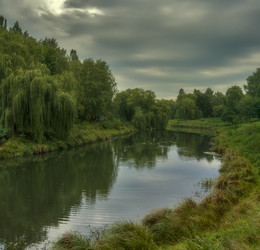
point(228, 218)
point(80, 134)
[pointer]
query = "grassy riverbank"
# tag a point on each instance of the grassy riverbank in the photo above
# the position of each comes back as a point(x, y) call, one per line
point(243, 138)
point(81, 134)
point(229, 218)
point(209, 126)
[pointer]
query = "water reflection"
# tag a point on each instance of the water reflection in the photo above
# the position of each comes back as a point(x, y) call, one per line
point(142, 150)
point(40, 192)
point(193, 145)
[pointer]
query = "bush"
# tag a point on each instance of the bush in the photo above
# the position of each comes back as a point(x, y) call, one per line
point(111, 124)
point(4, 133)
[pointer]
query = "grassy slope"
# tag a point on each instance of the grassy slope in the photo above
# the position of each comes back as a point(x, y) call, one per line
point(229, 218)
point(208, 126)
point(245, 138)
point(239, 227)
point(81, 134)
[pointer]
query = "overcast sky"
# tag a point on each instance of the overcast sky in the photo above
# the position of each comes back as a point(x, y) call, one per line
point(161, 45)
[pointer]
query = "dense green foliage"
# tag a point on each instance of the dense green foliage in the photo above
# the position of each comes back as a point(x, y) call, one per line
point(141, 108)
point(97, 88)
point(234, 106)
point(253, 84)
point(32, 102)
point(44, 91)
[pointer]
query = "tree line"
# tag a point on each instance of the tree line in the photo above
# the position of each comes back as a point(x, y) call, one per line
point(234, 106)
point(45, 91)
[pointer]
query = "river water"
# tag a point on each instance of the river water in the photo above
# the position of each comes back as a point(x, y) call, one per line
point(41, 197)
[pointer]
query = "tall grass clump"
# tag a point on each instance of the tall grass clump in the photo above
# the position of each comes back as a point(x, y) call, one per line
point(172, 225)
point(72, 240)
point(239, 230)
point(125, 235)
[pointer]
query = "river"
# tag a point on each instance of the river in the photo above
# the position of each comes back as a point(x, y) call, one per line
point(43, 196)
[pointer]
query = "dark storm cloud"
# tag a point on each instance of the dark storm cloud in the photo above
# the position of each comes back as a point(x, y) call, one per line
point(93, 3)
point(159, 45)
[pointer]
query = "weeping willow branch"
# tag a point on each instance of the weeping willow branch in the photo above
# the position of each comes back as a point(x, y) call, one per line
point(34, 102)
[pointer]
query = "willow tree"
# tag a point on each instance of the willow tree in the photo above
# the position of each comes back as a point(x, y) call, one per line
point(161, 113)
point(186, 108)
point(127, 101)
point(156, 117)
point(33, 103)
point(140, 107)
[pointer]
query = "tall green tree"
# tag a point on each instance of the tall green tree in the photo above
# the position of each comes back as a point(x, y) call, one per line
point(252, 87)
point(233, 95)
point(181, 91)
point(54, 57)
point(74, 55)
point(246, 108)
point(123, 108)
point(161, 113)
point(204, 102)
point(140, 107)
point(16, 28)
point(75, 65)
point(187, 109)
point(218, 101)
point(209, 92)
point(231, 111)
point(218, 98)
point(98, 87)
point(127, 102)
point(3, 22)
point(33, 103)
point(171, 106)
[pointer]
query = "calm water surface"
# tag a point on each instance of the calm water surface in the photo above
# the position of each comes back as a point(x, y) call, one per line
point(42, 197)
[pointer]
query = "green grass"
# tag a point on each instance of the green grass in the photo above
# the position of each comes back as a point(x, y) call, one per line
point(244, 138)
point(80, 134)
point(246, 141)
point(204, 123)
point(72, 240)
point(125, 235)
point(209, 126)
point(240, 229)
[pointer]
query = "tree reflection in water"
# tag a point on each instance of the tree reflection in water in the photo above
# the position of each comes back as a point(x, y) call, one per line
point(39, 192)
